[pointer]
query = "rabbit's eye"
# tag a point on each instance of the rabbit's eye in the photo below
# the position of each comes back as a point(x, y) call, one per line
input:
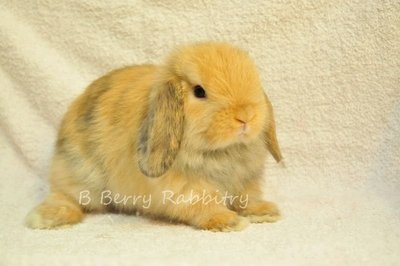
point(199, 92)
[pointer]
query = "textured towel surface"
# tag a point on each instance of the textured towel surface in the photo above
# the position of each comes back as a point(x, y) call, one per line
point(331, 69)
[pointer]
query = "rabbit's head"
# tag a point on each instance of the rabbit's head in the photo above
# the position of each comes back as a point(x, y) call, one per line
point(207, 96)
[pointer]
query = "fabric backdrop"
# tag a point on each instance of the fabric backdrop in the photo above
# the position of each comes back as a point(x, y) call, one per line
point(331, 69)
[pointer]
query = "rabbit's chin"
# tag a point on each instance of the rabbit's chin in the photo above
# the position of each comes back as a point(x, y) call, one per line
point(220, 144)
point(219, 138)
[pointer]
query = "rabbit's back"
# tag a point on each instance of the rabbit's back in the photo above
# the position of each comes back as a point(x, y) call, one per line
point(96, 136)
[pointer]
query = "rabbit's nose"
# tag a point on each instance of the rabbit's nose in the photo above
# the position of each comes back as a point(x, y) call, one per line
point(241, 120)
point(244, 127)
point(244, 114)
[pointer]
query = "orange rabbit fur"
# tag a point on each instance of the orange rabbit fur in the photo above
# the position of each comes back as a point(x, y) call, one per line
point(200, 124)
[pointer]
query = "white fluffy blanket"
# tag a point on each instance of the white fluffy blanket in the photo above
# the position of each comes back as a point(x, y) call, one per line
point(331, 69)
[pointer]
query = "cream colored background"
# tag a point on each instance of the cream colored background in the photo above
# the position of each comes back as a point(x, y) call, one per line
point(331, 69)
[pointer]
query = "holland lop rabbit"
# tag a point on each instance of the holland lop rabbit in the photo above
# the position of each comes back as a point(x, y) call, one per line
point(185, 141)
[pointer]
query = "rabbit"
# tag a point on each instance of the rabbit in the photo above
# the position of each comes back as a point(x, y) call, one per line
point(184, 141)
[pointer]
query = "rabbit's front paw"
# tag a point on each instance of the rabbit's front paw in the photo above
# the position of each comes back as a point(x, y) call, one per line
point(261, 212)
point(226, 221)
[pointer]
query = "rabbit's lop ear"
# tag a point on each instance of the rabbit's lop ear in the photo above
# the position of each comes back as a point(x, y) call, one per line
point(161, 131)
point(270, 134)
